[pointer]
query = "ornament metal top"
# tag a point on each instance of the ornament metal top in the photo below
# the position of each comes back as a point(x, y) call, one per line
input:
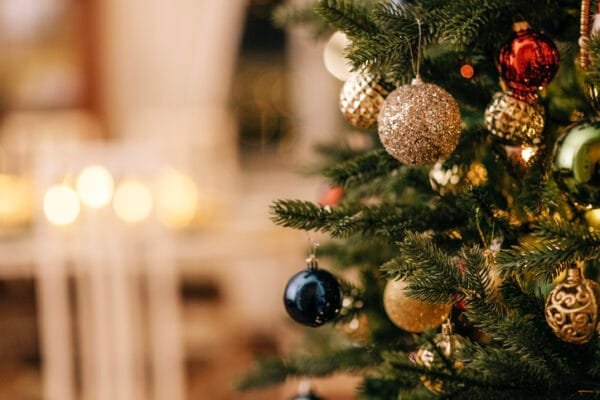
point(572, 308)
point(419, 123)
point(528, 61)
point(577, 163)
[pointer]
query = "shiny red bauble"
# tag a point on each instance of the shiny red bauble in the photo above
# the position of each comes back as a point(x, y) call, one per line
point(528, 61)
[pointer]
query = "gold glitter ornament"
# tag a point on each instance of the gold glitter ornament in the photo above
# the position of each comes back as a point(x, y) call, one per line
point(419, 123)
point(448, 344)
point(361, 99)
point(515, 121)
point(572, 308)
point(410, 314)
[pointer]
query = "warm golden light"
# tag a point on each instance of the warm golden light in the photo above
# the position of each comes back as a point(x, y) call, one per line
point(527, 153)
point(61, 205)
point(16, 201)
point(95, 186)
point(132, 201)
point(176, 198)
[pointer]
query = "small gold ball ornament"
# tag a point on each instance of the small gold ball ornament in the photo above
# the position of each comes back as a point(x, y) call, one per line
point(515, 121)
point(361, 99)
point(410, 314)
point(456, 178)
point(572, 308)
point(448, 344)
point(419, 123)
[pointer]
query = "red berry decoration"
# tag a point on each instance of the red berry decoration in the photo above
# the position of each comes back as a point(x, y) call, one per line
point(528, 61)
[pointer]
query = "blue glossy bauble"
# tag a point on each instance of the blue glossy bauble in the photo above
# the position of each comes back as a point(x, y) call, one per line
point(310, 396)
point(313, 297)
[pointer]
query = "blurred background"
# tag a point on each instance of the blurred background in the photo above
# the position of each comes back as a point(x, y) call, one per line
point(141, 143)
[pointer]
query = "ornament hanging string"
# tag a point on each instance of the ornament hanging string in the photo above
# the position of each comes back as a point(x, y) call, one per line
point(416, 61)
point(311, 261)
point(584, 34)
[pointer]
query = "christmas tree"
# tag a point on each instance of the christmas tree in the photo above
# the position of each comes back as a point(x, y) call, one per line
point(473, 219)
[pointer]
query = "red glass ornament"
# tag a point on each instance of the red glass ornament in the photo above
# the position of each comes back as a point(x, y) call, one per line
point(332, 197)
point(528, 61)
point(467, 71)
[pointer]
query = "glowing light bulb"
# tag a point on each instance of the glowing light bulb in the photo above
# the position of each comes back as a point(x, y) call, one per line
point(527, 153)
point(176, 199)
point(61, 205)
point(132, 201)
point(95, 186)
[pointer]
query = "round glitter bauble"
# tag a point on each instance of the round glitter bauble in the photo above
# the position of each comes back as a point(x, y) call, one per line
point(410, 314)
point(447, 344)
point(572, 308)
point(361, 99)
point(313, 296)
point(419, 123)
point(528, 61)
point(514, 121)
point(576, 163)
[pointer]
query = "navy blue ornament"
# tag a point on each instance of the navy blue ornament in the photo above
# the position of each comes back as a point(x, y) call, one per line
point(313, 296)
point(309, 396)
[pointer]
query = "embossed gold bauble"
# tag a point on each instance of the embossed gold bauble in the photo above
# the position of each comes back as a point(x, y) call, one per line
point(419, 123)
point(593, 94)
point(456, 178)
point(448, 344)
point(515, 121)
point(410, 314)
point(572, 308)
point(576, 163)
point(361, 99)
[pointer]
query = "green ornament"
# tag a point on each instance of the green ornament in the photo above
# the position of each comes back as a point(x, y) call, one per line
point(577, 163)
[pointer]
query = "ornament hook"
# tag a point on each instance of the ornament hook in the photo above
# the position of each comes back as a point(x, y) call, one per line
point(311, 261)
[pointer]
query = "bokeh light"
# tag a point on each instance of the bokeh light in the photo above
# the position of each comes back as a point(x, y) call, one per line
point(132, 201)
point(527, 153)
point(95, 186)
point(333, 56)
point(176, 199)
point(16, 201)
point(61, 205)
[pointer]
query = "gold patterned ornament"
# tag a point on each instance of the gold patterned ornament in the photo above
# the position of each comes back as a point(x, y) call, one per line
point(419, 123)
point(361, 99)
point(410, 314)
point(572, 308)
point(448, 344)
point(515, 121)
point(456, 178)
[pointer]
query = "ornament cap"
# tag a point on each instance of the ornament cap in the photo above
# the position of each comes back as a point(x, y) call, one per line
point(521, 26)
point(448, 328)
point(574, 274)
point(417, 80)
point(312, 263)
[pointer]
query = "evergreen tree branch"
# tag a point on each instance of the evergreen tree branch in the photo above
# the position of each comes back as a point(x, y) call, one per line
point(274, 370)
